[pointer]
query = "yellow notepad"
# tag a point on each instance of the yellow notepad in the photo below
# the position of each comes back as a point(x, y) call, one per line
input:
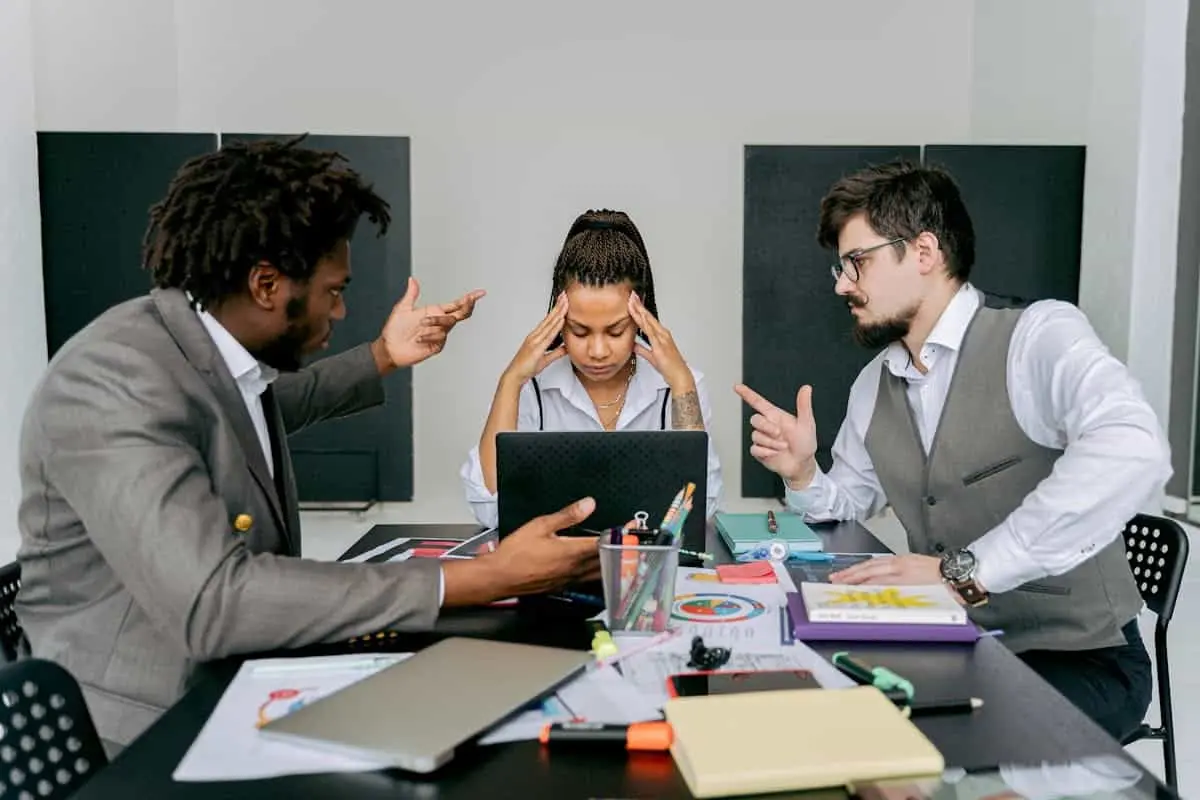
point(792, 740)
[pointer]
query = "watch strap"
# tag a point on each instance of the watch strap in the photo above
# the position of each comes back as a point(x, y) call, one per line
point(971, 593)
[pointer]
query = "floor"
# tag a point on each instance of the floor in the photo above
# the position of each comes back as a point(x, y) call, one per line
point(328, 534)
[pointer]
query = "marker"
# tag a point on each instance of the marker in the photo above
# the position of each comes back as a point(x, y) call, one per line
point(638, 736)
point(642, 647)
point(603, 645)
point(962, 706)
point(811, 557)
point(881, 678)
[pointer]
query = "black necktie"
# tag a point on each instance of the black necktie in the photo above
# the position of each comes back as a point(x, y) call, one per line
point(268, 403)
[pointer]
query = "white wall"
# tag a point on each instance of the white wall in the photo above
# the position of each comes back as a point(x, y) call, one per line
point(1156, 222)
point(526, 113)
point(1108, 74)
point(24, 330)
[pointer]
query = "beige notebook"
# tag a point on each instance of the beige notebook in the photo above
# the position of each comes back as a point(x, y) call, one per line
point(796, 739)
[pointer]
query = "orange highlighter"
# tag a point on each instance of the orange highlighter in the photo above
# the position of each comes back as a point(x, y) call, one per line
point(638, 736)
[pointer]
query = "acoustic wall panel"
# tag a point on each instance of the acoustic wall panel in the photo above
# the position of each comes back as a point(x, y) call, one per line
point(795, 329)
point(1026, 203)
point(96, 192)
point(366, 457)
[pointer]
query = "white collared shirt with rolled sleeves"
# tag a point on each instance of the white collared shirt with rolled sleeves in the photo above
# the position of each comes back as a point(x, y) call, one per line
point(1067, 392)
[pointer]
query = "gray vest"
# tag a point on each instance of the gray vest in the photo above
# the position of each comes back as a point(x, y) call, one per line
point(980, 467)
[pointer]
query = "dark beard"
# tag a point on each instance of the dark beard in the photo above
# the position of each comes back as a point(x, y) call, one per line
point(286, 353)
point(881, 334)
point(878, 335)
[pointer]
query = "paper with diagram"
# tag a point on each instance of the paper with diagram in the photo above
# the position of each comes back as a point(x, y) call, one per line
point(229, 746)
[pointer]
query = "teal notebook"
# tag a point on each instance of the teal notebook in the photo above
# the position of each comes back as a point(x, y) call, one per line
point(744, 532)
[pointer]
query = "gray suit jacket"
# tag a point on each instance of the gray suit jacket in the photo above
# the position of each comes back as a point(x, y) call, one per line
point(137, 457)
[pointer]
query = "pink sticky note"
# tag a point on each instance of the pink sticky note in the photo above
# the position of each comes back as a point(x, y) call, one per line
point(753, 572)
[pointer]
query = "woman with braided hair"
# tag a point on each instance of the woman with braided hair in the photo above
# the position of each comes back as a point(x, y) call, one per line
point(599, 360)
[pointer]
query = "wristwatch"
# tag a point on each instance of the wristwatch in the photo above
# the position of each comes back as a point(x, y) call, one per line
point(958, 569)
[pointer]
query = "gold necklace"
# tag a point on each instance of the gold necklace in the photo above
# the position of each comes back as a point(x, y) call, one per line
point(620, 397)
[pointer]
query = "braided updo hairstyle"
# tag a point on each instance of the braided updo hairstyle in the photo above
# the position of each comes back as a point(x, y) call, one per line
point(604, 248)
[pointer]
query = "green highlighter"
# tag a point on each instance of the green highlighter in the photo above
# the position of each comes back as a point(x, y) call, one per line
point(881, 678)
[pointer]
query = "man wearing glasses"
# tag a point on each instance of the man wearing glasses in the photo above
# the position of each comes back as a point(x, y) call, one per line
point(1008, 441)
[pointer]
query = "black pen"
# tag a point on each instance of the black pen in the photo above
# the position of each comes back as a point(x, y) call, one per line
point(961, 706)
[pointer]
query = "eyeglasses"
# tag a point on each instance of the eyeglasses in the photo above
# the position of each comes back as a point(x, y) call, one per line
point(851, 263)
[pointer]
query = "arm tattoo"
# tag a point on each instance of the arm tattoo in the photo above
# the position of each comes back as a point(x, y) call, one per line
point(685, 412)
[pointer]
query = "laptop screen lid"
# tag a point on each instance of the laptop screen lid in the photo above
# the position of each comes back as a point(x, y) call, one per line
point(404, 716)
point(540, 472)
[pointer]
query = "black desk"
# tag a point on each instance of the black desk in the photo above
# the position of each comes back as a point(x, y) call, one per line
point(1023, 721)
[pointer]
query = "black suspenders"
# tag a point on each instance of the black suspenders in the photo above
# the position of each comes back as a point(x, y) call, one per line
point(537, 393)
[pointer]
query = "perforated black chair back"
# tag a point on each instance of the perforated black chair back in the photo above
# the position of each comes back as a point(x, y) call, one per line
point(1157, 549)
point(11, 635)
point(48, 744)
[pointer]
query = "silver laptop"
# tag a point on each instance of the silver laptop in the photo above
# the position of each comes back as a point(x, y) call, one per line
point(414, 714)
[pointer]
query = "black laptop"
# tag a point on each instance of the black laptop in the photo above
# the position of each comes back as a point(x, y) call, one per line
point(624, 471)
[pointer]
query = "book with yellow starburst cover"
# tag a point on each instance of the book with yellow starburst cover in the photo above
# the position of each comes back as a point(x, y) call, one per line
point(902, 605)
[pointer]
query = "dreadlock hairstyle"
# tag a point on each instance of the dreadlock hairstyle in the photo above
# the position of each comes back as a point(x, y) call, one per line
point(603, 248)
point(250, 202)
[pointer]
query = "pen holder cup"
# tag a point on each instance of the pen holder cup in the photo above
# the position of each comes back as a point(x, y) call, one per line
point(639, 586)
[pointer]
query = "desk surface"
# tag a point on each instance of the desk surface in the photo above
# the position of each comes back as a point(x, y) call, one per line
point(1023, 721)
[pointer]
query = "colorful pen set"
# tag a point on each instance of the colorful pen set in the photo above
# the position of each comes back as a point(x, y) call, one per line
point(640, 607)
point(677, 514)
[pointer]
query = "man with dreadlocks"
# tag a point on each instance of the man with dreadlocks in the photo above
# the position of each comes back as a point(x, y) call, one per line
point(159, 522)
point(599, 360)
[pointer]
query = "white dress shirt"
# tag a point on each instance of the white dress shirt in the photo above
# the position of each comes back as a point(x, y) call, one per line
point(252, 378)
point(566, 406)
point(1067, 392)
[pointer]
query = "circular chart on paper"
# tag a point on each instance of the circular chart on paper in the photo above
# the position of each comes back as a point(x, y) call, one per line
point(282, 702)
point(706, 607)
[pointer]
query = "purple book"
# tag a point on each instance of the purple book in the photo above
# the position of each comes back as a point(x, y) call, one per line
point(871, 631)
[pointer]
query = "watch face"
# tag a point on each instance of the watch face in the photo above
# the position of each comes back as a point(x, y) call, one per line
point(958, 566)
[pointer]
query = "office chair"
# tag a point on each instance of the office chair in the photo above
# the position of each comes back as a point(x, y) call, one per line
point(49, 746)
point(11, 635)
point(1157, 550)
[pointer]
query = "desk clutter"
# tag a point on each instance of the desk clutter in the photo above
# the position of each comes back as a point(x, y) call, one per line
point(680, 657)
